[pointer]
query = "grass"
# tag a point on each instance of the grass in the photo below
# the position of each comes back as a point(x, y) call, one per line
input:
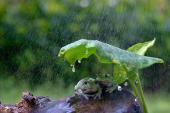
point(158, 102)
point(10, 92)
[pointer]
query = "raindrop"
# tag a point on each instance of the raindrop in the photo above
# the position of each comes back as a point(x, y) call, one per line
point(119, 88)
point(6, 107)
point(126, 84)
point(136, 82)
point(108, 74)
point(79, 61)
point(73, 68)
point(84, 3)
point(112, 3)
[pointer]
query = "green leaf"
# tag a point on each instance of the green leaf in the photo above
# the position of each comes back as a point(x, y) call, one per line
point(120, 74)
point(105, 53)
point(77, 51)
point(141, 48)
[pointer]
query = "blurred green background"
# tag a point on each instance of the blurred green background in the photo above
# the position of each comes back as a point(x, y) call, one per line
point(33, 31)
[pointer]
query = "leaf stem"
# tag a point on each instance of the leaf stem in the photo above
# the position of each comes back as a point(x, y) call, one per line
point(140, 91)
point(137, 88)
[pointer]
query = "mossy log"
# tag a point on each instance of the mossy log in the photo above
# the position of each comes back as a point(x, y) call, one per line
point(117, 102)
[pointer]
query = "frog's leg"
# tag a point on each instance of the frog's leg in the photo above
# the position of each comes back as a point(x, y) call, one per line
point(79, 92)
point(111, 89)
point(85, 96)
point(98, 94)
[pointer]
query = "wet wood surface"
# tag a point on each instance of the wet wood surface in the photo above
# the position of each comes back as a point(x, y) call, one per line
point(116, 102)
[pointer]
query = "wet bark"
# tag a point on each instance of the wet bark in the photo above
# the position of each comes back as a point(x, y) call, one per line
point(116, 102)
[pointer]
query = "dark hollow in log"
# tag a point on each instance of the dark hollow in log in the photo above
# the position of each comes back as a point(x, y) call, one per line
point(117, 102)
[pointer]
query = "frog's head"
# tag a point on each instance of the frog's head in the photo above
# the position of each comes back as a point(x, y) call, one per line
point(104, 77)
point(88, 86)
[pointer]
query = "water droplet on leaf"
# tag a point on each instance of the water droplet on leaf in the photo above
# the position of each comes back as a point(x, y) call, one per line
point(79, 61)
point(136, 82)
point(73, 68)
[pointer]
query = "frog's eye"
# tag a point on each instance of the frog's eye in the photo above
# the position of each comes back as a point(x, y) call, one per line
point(106, 75)
point(96, 82)
point(85, 83)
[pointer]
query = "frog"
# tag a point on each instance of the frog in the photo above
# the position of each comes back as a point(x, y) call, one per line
point(88, 88)
point(106, 82)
